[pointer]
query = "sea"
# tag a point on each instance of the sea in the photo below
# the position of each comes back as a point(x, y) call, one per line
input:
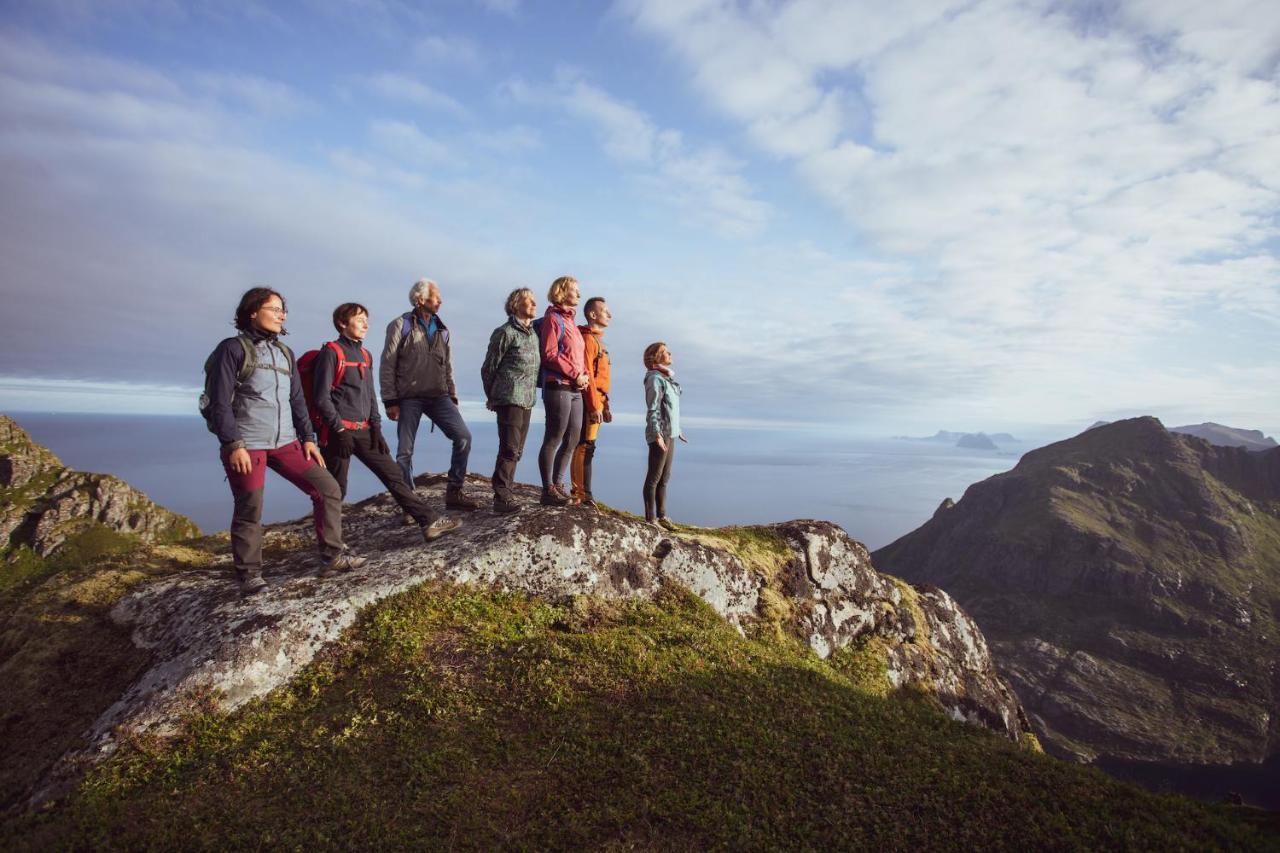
point(877, 489)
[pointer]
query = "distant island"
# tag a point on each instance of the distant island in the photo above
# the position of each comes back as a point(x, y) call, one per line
point(1220, 435)
point(967, 440)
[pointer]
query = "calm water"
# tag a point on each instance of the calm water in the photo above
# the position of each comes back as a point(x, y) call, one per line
point(877, 489)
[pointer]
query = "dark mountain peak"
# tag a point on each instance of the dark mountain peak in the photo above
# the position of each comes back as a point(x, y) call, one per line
point(1149, 562)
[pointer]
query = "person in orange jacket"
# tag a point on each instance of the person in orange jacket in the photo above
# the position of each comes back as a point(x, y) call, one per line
point(595, 397)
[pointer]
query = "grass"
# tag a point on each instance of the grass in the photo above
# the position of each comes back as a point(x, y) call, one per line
point(459, 717)
point(62, 660)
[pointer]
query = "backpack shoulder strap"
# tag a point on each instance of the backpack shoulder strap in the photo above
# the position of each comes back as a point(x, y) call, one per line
point(250, 357)
point(288, 353)
point(341, 366)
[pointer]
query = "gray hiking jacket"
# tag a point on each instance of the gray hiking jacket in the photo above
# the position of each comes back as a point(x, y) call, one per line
point(413, 368)
point(510, 369)
point(265, 411)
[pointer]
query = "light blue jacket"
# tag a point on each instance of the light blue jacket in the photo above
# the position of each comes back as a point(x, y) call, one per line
point(662, 406)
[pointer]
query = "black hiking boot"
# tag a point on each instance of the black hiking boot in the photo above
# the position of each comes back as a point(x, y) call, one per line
point(505, 506)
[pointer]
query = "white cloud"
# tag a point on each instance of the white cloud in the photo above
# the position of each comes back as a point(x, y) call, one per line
point(704, 182)
point(400, 87)
point(269, 98)
point(450, 50)
point(405, 140)
point(1064, 192)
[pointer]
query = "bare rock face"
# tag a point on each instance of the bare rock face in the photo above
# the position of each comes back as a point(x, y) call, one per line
point(43, 504)
point(204, 638)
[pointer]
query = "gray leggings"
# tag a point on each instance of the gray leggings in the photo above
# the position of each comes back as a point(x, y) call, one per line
point(560, 435)
point(655, 480)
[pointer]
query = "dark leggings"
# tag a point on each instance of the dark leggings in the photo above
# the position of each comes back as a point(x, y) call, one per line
point(560, 435)
point(655, 481)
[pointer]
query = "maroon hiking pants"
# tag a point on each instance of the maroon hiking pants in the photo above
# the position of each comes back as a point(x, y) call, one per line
point(246, 521)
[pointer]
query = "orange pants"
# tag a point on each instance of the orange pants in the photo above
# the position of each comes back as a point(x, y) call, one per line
point(580, 468)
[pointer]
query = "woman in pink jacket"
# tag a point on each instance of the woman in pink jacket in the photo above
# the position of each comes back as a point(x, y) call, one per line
point(564, 375)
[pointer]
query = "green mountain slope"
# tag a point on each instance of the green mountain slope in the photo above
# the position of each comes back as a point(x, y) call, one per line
point(1129, 580)
point(453, 716)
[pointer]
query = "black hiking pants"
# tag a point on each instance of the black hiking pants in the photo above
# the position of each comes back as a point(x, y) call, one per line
point(655, 480)
point(383, 467)
point(513, 429)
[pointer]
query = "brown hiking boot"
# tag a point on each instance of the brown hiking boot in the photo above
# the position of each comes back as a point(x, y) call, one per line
point(455, 498)
point(251, 584)
point(553, 497)
point(439, 527)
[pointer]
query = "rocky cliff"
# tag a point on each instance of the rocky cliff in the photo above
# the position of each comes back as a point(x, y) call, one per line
point(1129, 580)
point(44, 505)
point(807, 577)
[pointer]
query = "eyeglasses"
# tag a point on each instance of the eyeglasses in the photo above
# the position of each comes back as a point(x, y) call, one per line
point(281, 311)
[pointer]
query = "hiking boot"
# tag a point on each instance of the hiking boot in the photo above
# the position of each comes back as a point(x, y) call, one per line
point(455, 498)
point(588, 502)
point(553, 497)
point(666, 523)
point(252, 584)
point(407, 519)
point(343, 561)
point(505, 505)
point(439, 527)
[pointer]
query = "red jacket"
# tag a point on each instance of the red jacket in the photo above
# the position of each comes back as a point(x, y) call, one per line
point(562, 347)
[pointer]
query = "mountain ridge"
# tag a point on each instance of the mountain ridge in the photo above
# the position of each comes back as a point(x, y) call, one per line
point(1129, 579)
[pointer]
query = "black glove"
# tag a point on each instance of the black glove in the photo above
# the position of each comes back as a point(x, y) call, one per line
point(342, 444)
point(379, 443)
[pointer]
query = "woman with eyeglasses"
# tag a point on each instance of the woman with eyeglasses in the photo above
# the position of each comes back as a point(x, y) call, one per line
point(661, 430)
point(255, 405)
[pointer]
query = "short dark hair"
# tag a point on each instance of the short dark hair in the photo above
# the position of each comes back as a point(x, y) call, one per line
point(591, 303)
point(252, 301)
point(346, 311)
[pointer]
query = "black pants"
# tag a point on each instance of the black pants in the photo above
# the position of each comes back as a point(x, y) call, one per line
point(383, 467)
point(655, 481)
point(513, 428)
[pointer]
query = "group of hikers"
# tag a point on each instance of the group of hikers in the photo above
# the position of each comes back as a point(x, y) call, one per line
point(306, 417)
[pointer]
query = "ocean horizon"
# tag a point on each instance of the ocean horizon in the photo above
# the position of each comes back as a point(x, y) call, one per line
point(876, 489)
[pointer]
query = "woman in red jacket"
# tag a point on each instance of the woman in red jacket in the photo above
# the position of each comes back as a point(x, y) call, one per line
point(564, 375)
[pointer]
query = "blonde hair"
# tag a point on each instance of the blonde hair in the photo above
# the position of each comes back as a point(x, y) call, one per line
point(513, 299)
point(651, 352)
point(560, 289)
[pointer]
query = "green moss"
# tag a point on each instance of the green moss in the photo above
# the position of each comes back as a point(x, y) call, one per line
point(865, 662)
point(462, 717)
point(761, 549)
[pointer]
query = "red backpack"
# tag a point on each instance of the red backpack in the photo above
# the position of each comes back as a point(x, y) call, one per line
point(307, 374)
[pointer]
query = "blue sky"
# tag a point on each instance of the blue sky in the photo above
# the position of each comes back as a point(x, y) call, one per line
point(888, 218)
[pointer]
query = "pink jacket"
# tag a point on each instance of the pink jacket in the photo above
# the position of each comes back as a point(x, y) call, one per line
point(562, 346)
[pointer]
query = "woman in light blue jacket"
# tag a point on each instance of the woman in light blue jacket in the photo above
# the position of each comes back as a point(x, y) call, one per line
point(661, 429)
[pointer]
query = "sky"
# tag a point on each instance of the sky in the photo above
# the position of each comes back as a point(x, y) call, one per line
point(879, 218)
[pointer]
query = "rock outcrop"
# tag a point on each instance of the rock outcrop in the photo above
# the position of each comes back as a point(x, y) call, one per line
point(809, 577)
point(44, 504)
point(1129, 581)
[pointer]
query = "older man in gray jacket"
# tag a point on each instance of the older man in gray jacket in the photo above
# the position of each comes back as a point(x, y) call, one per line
point(416, 375)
